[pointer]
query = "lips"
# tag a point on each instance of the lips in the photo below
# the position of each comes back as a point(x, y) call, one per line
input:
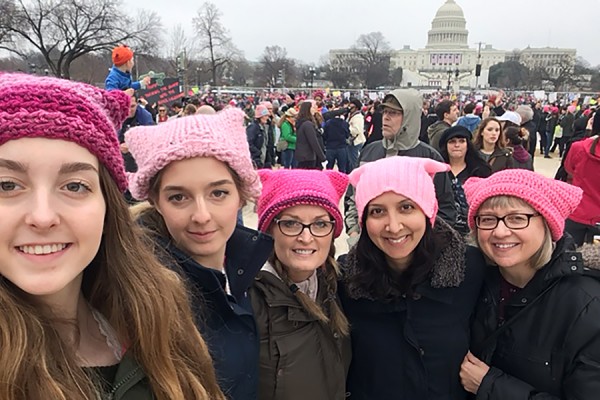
point(303, 252)
point(505, 246)
point(397, 240)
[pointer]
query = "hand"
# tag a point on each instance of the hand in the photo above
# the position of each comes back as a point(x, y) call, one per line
point(129, 92)
point(472, 371)
point(147, 80)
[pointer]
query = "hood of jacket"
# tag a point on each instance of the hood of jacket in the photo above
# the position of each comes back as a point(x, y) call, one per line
point(408, 135)
point(448, 270)
point(592, 148)
point(520, 154)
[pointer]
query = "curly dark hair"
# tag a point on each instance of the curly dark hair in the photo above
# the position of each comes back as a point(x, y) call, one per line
point(385, 284)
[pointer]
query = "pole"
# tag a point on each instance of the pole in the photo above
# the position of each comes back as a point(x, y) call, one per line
point(478, 63)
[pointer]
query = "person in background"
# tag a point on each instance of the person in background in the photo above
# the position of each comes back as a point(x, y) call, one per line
point(457, 150)
point(119, 76)
point(551, 123)
point(259, 138)
point(287, 126)
point(469, 120)
point(520, 155)
point(357, 132)
point(162, 114)
point(309, 154)
point(447, 113)
point(582, 163)
point(374, 123)
point(304, 335)
point(529, 134)
point(408, 288)
point(336, 135)
point(535, 329)
point(76, 272)
point(191, 217)
point(490, 142)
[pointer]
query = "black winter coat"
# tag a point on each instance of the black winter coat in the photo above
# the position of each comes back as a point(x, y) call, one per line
point(411, 348)
point(551, 350)
point(226, 321)
point(335, 134)
point(257, 135)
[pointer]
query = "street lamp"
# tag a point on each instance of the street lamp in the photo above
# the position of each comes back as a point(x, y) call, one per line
point(456, 74)
point(197, 76)
point(312, 73)
point(450, 72)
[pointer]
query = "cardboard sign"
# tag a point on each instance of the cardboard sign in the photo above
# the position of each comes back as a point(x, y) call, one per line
point(168, 93)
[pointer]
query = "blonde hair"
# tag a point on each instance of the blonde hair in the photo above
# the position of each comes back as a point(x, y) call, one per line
point(543, 255)
point(330, 312)
point(145, 303)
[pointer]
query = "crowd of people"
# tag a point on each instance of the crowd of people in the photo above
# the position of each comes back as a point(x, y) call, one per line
point(125, 272)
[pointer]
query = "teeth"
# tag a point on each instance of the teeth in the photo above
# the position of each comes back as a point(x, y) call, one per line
point(303, 251)
point(505, 246)
point(396, 241)
point(45, 249)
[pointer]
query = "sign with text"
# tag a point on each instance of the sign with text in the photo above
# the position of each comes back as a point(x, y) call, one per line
point(165, 94)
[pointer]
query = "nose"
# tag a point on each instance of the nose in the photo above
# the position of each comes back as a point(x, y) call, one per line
point(394, 224)
point(42, 214)
point(201, 213)
point(501, 230)
point(305, 236)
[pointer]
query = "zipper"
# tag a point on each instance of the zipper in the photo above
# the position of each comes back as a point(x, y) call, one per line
point(121, 383)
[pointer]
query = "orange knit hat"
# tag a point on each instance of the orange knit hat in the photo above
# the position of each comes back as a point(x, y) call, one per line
point(121, 54)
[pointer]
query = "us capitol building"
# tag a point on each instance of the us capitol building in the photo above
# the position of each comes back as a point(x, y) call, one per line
point(448, 60)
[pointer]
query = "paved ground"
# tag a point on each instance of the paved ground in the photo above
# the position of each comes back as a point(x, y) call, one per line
point(542, 165)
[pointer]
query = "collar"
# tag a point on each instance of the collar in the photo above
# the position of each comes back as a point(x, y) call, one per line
point(118, 71)
point(246, 252)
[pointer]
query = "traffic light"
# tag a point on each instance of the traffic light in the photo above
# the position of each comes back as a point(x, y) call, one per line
point(478, 70)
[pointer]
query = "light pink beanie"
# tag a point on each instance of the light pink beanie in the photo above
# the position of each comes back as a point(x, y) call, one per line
point(555, 200)
point(411, 177)
point(221, 136)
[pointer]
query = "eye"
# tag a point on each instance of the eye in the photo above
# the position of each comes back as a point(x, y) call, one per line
point(376, 211)
point(219, 194)
point(406, 207)
point(518, 218)
point(176, 198)
point(486, 219)
point(7, 186)
point(77, 187)
point(288, 223)
point(321, 224)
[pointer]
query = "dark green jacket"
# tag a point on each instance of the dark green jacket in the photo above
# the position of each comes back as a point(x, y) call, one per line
point(130, 382)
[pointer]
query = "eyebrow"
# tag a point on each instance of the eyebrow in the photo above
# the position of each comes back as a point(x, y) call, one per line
point(177, 188)
point(299, 218)
point(13, 165)
point(70, 168)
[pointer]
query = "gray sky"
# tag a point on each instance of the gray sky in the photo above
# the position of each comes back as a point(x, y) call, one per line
point(309, 28)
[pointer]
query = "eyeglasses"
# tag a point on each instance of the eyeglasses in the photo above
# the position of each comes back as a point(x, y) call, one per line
point(511, 221)
point(391, 112)
point(162, 110)
point(290, 227)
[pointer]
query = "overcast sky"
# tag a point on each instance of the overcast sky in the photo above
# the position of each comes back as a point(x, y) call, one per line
point(309, 28)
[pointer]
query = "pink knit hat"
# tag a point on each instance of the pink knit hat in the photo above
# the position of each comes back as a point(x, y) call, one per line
point(51, 108)
point(411, 177)
point(285, 188)
point(221, 135)
point(261, 111)
point(555, 200)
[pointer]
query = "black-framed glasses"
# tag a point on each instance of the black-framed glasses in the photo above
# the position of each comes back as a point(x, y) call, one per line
point(511, 221)
point(290, 227)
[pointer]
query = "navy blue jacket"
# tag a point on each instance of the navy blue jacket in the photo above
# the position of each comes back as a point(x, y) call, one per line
point(227, 321)
point(336, 132)
point(412, 347)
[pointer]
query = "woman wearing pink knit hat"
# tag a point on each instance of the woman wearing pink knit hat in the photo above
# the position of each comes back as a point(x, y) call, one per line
point(409, 286)
point(536, 329)
point(87, 311)
point(196, 174)
point(304, 343)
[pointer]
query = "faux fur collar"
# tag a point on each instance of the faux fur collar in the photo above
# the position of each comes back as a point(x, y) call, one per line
point(448, 270)
point(591, 256)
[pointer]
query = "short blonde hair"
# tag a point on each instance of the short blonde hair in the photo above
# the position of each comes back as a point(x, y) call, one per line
point(543, 255)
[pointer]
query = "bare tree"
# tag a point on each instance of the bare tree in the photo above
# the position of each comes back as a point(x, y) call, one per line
point(374, 53)
point(561, 73)
point(64, 30)
point(276, 66)
point(7, 16)
point(214, 41)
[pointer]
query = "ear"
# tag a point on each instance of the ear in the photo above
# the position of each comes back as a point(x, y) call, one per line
point(432, 167)
point(265, 175)
point(338, 180)
point(355, 175)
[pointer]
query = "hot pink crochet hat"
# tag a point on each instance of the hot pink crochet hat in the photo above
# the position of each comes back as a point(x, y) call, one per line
point(411, 177)
point(32, 106)
point(555, 200)
point(287, 188)
point(221, 135)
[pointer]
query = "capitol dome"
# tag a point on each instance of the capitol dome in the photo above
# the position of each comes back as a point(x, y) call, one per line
point(448, 28)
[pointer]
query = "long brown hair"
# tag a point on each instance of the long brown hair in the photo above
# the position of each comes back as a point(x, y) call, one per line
point(478, 138)
point(144, 302)
point(330, 311)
